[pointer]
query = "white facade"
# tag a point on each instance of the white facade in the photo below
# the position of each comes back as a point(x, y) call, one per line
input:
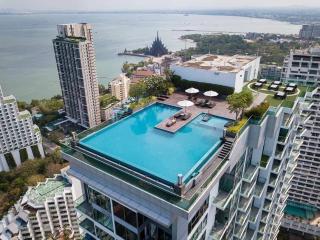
point(256, 165)
point(229, 71)
point(76, 66)
point(45, 210)
point(17, 132)
point(302, 67)
point(120, 87)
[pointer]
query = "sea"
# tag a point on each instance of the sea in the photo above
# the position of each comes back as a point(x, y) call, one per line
point(27, 63)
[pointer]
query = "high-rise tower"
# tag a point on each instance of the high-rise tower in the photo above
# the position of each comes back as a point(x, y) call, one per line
point(76, 65)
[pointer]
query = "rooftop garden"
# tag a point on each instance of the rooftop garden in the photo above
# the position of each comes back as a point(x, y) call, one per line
point(287, 102)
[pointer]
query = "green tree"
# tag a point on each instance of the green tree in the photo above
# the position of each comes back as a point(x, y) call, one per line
point(156, 85)
point(238, 102)
point(138, 90)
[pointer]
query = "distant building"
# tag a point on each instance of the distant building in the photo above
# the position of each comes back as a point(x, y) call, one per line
point(270, 72)
point(157, 49)
point(309, 31)
point(302, 67)
point(76, 65)
point(229, 71)
point(45, 210)
point(119, 87)
point(17, 134)
point(138, 75)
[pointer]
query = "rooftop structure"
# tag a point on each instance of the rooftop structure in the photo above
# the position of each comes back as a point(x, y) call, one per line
point(20, 139)
point(202, 181)
point(44, 210)
point(140, 75)
point(229, 71)
point(76, 66)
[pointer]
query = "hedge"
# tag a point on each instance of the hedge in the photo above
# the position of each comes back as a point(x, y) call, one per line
point(257, 112)
point(185, 84)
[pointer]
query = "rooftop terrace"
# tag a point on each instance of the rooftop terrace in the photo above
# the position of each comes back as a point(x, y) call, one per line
point(220, 63)
point(44, 190)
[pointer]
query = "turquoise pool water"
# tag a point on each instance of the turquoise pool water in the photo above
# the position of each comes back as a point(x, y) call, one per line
point(135, 142)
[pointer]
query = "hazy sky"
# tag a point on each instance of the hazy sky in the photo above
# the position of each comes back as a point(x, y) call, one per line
point(105, 5)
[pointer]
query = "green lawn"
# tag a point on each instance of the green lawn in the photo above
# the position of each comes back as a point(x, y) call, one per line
point(288, 102)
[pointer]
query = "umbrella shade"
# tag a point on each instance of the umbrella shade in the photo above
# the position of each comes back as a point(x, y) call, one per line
point(192, 90)
point(185, 103)
point(211, 94)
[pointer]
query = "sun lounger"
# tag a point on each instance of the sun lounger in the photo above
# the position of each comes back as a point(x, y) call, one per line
point(186, 116)
point(199, 102)
point(210, 104)
point(164, 96)
point(171, 122)
point(178, 115)
point(161, 99)
point(206, 118)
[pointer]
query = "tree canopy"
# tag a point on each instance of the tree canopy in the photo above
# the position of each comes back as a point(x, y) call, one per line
point(238, 102)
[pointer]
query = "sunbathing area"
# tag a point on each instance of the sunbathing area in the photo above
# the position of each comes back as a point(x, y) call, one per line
point(277, 93)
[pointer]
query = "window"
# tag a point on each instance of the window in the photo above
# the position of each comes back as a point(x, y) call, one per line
point(99, 199)
point(198, 215)
point(124, 213)
point(125, 233)
point(103, 235)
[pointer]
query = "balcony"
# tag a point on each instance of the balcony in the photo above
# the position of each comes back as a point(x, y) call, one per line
point(276, 167)
point(249, 235)
point(87, 225)
point(264, 217)
point(270, 194)
point(264, 161)
point(273, 181)
point(239, 231)
point(259, 189)
point(267, 205)
point(250, 173)
point(262, 228)
point(247, 189)
point(244, 204)
point(218, 231)
point(242, 217)
point(222, 200)
point(254, 214)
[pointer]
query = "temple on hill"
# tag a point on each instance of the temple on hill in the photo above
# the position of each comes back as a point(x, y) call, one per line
point(157, 49)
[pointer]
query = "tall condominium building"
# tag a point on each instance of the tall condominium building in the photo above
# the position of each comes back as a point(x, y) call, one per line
point(20, 139)
point(144, 180)
point(309, 31)
point(119, 87)
point(76, 65)
point(45, 210)
point(302, 67)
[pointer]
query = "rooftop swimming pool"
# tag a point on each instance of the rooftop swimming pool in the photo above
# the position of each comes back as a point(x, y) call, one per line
point(136, 143)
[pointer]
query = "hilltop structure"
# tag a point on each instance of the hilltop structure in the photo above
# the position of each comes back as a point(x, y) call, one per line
point(157, 49)
point(20, 139)
point(76, 66)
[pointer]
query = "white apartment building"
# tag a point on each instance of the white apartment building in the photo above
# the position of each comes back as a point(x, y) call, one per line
point(302, 213)
point(302, 67)
point(238, 191)
point(76, 63)
point(45, 210)
point(17, 134)
point(119, 87)
point(229, 71)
